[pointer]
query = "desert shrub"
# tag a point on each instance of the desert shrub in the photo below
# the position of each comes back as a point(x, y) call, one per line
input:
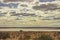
point(4, 35)
point(45, 37)
point(27, 37)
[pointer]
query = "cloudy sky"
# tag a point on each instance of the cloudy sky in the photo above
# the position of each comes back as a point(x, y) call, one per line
point(46, 0)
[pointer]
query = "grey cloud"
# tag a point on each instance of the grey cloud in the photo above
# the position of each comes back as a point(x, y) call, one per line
point(24, 5)
point(46, 7)
point(2, 14)
point(23, 14)
point(17, 0)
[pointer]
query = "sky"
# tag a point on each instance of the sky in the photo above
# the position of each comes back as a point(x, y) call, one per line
point(46, 0)
point(8, 5)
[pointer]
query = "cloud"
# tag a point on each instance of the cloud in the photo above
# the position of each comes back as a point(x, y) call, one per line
point(17, 0)
point(46, 7)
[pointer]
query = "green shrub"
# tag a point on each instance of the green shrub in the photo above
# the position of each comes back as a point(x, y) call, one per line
point(45, 37)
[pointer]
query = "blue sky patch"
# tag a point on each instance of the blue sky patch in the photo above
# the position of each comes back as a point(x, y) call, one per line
point(10, 5)
point(46, 0)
